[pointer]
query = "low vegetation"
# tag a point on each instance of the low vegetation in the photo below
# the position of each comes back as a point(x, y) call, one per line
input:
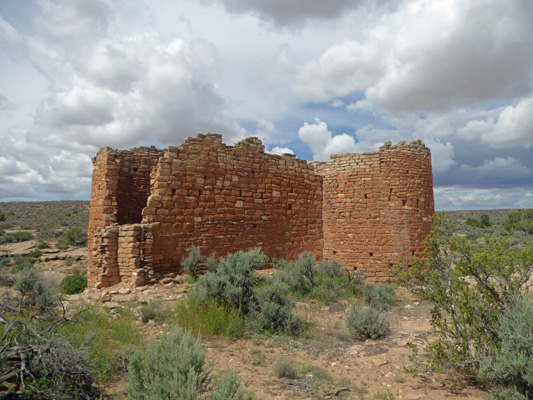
point(73, 237)
point(34, 358)
point(174, 368)
point(521, 220)
point(14, 237)
point(473, 274)
point(49, 219)
point(73, 284)
point(192, 262)
point(479, 307)
point(366, 322)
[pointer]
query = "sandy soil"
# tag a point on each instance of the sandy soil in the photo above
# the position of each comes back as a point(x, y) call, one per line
point(330, 364)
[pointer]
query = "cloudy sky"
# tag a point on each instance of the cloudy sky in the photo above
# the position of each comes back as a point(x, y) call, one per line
point(311, 77)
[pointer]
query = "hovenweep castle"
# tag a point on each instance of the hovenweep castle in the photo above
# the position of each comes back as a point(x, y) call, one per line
point(150, 206)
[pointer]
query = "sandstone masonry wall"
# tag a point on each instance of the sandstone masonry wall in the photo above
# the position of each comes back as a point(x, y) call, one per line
point(120, 189)
point(377, 206)
point(148, 206)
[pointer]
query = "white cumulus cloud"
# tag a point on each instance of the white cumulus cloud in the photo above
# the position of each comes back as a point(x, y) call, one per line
point(323, 143)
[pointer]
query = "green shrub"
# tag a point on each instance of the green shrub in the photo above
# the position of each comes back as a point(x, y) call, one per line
point(151, 311)
point(15, 237)
point(331, 268)
point(73, 284)
point(366, 322)
point(2, 216)
point(229, 387)
point(521, 220)
point(192, 262)
point(43, 245)
point(6, 238)
point(317, 371)
point(35, 253)
point(511, 368)
point(172, 368)
point(4, 261)
point(471, 221)
point(74, 237)
point(23, 262)
point(231, 284)
point(285, 368)
point(381, 297)
point(38, 297)
point(68, 261)
point(210, 318)
point(484, 221)
point(108, 341)
point(5, 225)
point(61, 246)
point(22, 236)
point(468, 284)
point(326, 281)
point(275, 310)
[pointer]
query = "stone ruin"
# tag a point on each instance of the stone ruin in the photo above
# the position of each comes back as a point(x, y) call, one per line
point(150, 206)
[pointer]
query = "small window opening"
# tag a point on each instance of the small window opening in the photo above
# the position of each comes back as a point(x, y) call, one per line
point(371, 254)
point(366, 196)
point(334, 252)
point(390, 191)
point(205, 176)
point(404, 202)
point(413, 253)
point(199, 193)
point(135, 169)
point(240, 193)
point(290, 206)
point(173, 192)
point(255, 225)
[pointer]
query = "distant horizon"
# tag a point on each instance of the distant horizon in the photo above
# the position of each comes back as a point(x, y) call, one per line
point(436, 211)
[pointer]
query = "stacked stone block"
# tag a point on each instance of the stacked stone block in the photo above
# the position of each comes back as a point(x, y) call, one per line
point(377, 207)
point(149, 207)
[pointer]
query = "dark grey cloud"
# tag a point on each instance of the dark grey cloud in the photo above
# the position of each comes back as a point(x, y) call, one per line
point(295, 12)
point(485, 53)
point(430, 56)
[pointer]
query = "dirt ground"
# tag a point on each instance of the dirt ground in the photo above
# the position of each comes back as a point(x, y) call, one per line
point(330, 364)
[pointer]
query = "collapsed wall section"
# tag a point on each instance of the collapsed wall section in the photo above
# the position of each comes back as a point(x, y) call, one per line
point(377, 206)
point(222, 199)
point(119, 192)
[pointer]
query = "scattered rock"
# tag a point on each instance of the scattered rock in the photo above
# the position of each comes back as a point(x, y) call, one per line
point(75, 297)
point(379, 362)
point(112, 305)
point(124, 291)
point(106, 296)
